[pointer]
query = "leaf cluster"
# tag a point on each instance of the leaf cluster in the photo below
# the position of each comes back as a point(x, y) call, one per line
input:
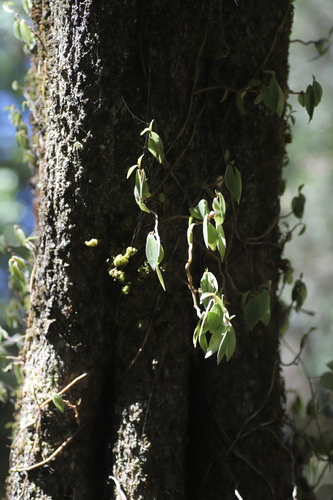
point(215, 320)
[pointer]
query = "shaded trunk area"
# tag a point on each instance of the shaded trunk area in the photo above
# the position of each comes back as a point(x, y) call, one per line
point(148, 417)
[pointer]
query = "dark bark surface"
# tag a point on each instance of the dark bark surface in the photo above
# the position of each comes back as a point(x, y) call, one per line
point(154, 419)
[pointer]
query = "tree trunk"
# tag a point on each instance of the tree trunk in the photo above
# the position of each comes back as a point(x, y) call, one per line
point(153, 418)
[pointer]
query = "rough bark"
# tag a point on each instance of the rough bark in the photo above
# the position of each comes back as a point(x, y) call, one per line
point(156, 420)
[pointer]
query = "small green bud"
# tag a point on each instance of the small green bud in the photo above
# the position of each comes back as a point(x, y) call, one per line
point(92, 243)
point(15, 270)
point(19, 235)
point(120, 260)
point(126, 289)
point(130, 251)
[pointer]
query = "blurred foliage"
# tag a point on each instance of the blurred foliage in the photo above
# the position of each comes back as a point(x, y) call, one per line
point(310, 163)
point(15, 208)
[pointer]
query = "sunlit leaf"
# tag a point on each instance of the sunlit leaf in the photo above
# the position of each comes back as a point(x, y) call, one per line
point(215, 318)
point(227, 345)
point(155, 146)
point(130, 170)
point(200, 210)
point(160, 277)
point(208, 283)
point(221, 241)
point(152, 250)
point(213, 345)
point(209, 233)
point(219, 209)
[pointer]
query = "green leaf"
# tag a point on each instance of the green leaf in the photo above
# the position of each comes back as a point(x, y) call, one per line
point(196, 333)
point(297, 205)
point(264, 307)
point(209, 234)
point(141, 189)
point(58, 402)
point(15, 270)
point(240, 104)
point(219, 301)
point(266, 97)
point(296, 406)
point(330, 365)
point(204, 324)
point(213, 345)
point(130, 170)
point(302, 231)
point(251, 312)
point(200, 210)
point(273, 96)
point(254, 82)
point(19, 235)
point(27, 6)
point(326, 380)
point(160, 277)
point(304, 340)
point(219, 209)
point(309, 101)
point(143, 207)
point(203, 296)
point(17, 30)
point(317, 91)
point(301, 99)
point(277, 96)
point(244, 298)
point(208, 284)
point(26, 33)
point(215, 318)
point(231, 345)
point(203, 342)
point(160, 255)
point(155, 255)
point(221, 241)
point(7, 7)
point(155, 146)
point(225, 95)
point(22, 139)
point(258, 99)
point(152, 250)
point(298, 294)
point(233, 182)
point(227, 346)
